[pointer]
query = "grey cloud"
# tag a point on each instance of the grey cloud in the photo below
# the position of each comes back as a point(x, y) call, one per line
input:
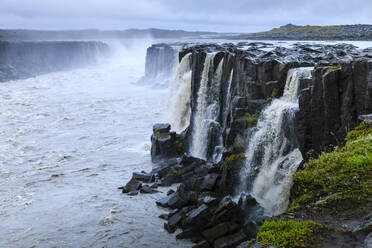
point(213, 15)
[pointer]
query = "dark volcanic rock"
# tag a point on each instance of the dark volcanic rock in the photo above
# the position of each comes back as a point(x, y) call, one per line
point(144, 177)
point(230, 240)
point(132, 185)
point(165, 145)
point(148, 190)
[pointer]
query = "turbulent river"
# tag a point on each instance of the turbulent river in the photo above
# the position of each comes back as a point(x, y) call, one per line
point(67, 141)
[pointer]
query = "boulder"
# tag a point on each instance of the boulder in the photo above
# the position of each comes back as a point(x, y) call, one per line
point(209, 181)
point(132, 185)
point(230, 240)
point(219, 230)
point(148, 190)
point(143, 177)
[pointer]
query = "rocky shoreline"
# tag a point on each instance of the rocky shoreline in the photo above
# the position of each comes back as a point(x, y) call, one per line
point(206, 205)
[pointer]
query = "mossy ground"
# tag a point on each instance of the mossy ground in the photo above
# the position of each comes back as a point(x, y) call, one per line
point(330, 191)
point(342, 176)
point(288, 233)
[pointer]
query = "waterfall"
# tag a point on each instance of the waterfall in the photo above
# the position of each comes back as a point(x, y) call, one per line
point(179, 96)
point(205, 121)
point(161, 62)
point(272, 156)
point(227, 100)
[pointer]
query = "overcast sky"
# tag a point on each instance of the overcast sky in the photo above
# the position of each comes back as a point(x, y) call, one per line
point(207, 15)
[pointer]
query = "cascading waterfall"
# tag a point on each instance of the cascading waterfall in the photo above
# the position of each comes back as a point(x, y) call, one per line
point(272, 156)
point(207, 111)
point(179, 96)
point(227, 100)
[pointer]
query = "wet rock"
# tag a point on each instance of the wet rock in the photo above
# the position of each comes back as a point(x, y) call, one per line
point(219, 230)
point(202, 244)
point(187, 234)
point(164, 216)
point(132, 193)
point(171, 191)
point(175, 219)
point(165, 145)
point(170, 229)
point(163, 202)
point(144, 177)
point(207, 199)
point(148, 190)
point(198, 216)
point(172, 201)
point(132, 185)
point(161, 128)
point(209, 181)
point(367, 118)
point(154, 186)
point(230, 240)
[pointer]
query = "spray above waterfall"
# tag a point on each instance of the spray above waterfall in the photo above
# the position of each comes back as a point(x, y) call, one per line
point(272, 156)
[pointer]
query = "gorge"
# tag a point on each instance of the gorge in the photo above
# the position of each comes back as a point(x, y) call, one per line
point(255, 113)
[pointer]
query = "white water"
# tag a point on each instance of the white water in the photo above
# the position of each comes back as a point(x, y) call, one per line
point(179, 110)
point(67, 141)
point(272, 156)
point(207, 108)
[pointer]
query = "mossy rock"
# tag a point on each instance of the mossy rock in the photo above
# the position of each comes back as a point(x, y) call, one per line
point(339, 181)
point(289, 233)
point(234, 157)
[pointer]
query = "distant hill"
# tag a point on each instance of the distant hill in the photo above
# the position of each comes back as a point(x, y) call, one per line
point(22, 34)
point(293, 32)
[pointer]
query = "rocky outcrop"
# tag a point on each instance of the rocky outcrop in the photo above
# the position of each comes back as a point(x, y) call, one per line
point(238, 82)
point(332, 103)
point(27, 59)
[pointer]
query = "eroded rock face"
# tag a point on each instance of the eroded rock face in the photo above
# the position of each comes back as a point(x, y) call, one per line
point(334, 101)
point(255, 73)
point(28, 59)
point(165, 145)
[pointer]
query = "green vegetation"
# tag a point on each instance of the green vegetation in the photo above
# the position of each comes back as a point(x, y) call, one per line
point(275, 93)
point(288, 233)
point(334, 67)
point(179, 145)
point(251, 118)
point(234, 157)
point(161, 135)
point(342, 176)
point(327, 29)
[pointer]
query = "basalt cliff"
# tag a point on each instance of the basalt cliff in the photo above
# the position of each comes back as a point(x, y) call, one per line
point(252, 127)
point(31, 58)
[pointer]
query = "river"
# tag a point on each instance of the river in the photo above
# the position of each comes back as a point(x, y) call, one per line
point(68, 140)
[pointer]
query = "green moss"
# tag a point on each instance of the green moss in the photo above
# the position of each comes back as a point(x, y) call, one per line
point(161, 135)
point(334, 67)
point(234, 157)
point(275, 92)
point(251, 119)
point(288, 233)
point(344, 174)
point(179, 145)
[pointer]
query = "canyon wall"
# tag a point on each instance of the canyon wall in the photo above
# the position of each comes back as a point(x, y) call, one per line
point(27, 59)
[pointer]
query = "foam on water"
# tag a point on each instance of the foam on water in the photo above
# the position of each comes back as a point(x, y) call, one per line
point(67, 141)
